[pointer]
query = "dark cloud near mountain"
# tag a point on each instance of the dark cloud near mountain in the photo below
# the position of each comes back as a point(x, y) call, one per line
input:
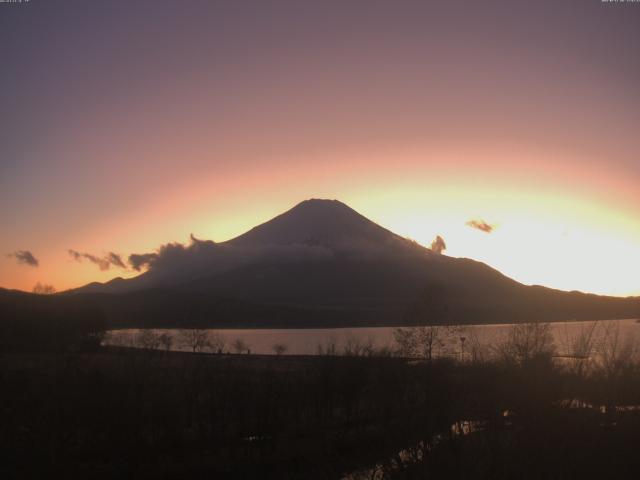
point(104, 263)
point(315, 232)
point(24, 257)
point(139, 261)
point(205, 257)
point(481, 225)
point(172, 254)
point(179, 257)
point(312, 230)
point(438, 245)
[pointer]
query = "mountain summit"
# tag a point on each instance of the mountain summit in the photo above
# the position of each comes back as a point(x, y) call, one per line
point(317, 222)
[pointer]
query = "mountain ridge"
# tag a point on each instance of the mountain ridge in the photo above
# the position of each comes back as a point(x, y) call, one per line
point(322, 263)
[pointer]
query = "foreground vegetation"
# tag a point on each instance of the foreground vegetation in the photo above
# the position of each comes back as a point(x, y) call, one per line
point(517, 413)
point(426, 408)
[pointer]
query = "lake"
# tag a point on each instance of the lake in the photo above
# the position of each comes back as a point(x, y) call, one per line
point(453, 340)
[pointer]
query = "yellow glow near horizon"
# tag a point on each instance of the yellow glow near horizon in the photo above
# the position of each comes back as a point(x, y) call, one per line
point(549, 239)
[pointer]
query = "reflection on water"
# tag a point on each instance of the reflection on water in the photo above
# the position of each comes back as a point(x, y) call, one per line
point(415, 454)
point(397, 462)
point(459, 341)
point(407, 457)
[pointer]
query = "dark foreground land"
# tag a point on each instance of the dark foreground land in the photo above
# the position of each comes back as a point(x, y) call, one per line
point(128, 414)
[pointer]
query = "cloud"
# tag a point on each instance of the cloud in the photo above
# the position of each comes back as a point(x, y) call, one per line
point(204, 257)
point(115, 260)
point(481, 225)
point(173, 263)
point(24, 257)
point(438, 245)
point(138, 261)
point(104, 263)
point(177, 255)
point(174, 254)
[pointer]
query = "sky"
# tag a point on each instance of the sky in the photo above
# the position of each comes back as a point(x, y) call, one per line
point(129, 124)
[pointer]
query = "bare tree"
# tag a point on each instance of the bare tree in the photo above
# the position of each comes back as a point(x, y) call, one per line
point(148, 339)
point(525, 342)
point(216, 342)
point(477, 351)
point(279, 348)
point(166, 340)
point(429, 315)
point(580, 349)
point(423, 342)
point(406, 340)
point(430, 340)
point(616, 354)
point(368, 347)
point(240, 346)
point(197, 339)
point(44, 289)
point(354, 347)
point(329, 348)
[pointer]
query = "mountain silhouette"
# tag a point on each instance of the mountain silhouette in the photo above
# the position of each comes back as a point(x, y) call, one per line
point(321, 263)
point(319, 222)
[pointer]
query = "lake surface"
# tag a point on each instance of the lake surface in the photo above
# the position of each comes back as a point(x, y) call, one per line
point(454, 341)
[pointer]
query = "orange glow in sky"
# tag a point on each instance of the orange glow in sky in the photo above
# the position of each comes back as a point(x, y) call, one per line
point(544, 233)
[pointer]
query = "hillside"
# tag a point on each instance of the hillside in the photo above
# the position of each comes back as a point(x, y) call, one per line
point(323, 264)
